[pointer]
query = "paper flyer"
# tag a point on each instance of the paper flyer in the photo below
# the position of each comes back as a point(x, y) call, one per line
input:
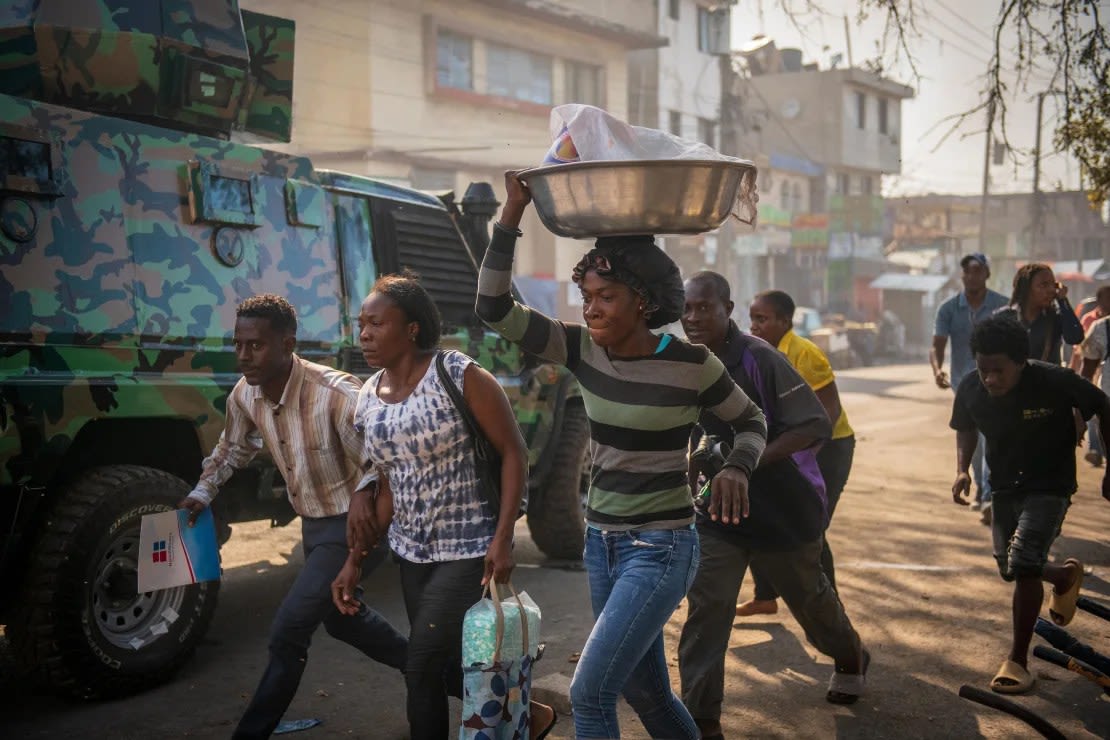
point(171, 553)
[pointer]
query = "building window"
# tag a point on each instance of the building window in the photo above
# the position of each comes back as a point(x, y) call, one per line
point(843, 182)
point(672, 9)
point(884, 124)
point(518, 74)
point(861, 110)
point(584, 83)
point(713, 31)
point(454, 60)
point(676, 123)
point(866, 184)
point(797, 199)
point(707, 131)
point(784, 195)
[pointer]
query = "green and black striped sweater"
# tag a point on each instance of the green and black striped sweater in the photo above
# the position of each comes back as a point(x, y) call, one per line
point(641, 410)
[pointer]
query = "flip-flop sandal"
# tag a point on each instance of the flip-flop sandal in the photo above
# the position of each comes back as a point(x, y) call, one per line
point(1061, 607)
point(1012, 679)
point(847, 688)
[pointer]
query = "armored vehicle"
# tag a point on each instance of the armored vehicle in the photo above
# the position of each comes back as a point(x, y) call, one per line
point(132, 221)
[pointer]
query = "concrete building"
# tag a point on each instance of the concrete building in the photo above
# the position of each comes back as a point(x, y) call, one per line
point(436, 94)
point(1072, 234)
point(678, 88)
point(930, 233)
point(829, 136)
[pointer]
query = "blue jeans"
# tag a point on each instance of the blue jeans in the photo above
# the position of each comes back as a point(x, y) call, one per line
point(308, 605)
point(1094, 437)
point(637, 579)
point(1023, 529)
point(981, 472)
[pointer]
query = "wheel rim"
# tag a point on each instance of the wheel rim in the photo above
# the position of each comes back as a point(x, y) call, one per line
point(124, 616)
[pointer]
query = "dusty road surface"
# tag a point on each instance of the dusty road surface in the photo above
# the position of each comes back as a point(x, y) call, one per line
point(915, 573)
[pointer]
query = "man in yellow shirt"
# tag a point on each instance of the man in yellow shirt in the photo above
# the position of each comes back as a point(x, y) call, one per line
point(772, 316)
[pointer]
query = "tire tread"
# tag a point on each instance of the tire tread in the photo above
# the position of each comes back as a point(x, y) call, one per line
point(35, 636)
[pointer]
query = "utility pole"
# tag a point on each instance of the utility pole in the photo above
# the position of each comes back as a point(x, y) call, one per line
point(728, 141)
point(848, 41)
point(986, 179)
point(1038, 204)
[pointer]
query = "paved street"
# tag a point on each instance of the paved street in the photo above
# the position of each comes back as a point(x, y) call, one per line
point(915, 573)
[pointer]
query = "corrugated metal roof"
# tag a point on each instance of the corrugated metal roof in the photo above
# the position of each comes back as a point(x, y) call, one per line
point(914, 283)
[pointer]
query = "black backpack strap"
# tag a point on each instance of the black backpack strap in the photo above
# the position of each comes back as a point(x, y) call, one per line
point(456, 395)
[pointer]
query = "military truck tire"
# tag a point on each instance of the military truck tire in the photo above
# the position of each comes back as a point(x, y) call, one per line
point(81, 628)
point(556, 516)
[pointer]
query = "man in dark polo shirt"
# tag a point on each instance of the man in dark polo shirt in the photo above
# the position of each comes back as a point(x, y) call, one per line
point(1024, 410)
point(783, 534)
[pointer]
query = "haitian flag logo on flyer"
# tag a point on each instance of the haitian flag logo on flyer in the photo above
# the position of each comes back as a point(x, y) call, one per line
point(177, 554)
point(161, 553)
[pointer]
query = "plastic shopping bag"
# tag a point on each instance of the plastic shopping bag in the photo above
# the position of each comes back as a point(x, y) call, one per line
point(496, 693)
point(480, 628)
point(588, 133)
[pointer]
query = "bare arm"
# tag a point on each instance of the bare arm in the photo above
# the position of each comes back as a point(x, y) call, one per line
point(494, 414)
point(966, 440)
point(936, 361)
point(829, 397)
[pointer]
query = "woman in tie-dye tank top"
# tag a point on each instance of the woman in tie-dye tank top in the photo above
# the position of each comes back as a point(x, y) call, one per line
point(443, 532)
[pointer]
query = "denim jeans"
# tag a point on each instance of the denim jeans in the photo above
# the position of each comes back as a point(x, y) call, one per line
point(637, 579)
point(981, 472)
point(1094, 437)
point(1023, 529)
point(308, 605)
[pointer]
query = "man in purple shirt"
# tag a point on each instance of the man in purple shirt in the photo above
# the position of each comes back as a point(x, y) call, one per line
point(783, 536)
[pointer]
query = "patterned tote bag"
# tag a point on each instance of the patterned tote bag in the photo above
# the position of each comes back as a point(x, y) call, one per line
point(497, 674)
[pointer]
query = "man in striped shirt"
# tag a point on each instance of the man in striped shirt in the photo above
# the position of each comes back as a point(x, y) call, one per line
point(303, 413)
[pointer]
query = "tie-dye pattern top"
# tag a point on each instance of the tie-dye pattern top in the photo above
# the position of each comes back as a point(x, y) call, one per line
point(438, 511)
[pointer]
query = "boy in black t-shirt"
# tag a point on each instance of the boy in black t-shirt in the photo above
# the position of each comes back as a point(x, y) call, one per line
point(1024, 410)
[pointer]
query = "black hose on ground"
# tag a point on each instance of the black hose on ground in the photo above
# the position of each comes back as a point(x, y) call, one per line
point(1073, 664)
point(1093, 607)
point(994, 701)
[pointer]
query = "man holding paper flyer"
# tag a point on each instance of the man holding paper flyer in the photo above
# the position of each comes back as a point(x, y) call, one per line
point(303, 413)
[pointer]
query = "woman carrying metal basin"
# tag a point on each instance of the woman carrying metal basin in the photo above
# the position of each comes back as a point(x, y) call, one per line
point(643, 392)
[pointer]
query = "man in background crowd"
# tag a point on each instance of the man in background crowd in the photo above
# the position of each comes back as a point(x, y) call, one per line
point(955, 320)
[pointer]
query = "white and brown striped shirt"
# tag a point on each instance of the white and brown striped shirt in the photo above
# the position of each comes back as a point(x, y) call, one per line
point(310, 434)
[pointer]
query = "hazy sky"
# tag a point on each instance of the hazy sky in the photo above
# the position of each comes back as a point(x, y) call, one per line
point(951, 53)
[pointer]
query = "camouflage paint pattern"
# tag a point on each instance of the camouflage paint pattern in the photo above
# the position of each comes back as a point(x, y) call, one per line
point(187, 64)
point(122, 270)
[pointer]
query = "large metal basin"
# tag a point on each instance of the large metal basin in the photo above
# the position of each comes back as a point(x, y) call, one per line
point(612, 198)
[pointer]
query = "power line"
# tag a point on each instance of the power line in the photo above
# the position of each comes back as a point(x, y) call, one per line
point(1006, 62)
